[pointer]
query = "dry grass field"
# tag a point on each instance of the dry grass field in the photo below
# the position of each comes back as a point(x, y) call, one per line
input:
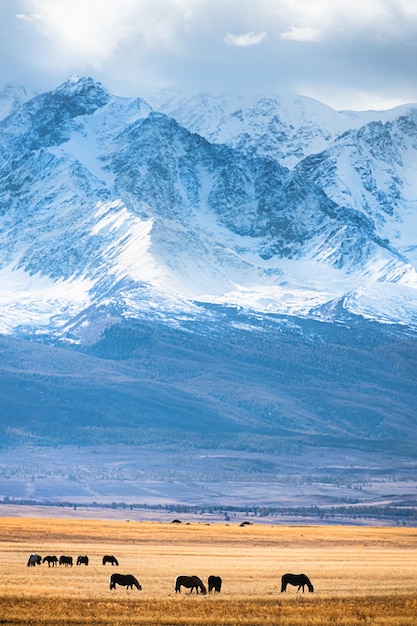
point(361, 575)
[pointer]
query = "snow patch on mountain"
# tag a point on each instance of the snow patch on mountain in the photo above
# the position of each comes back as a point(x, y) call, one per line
point(11, 98)
point(109, 208)
point(36, 301)
point(286, 127)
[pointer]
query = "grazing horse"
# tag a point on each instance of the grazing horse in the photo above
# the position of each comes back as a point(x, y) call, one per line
point(296, 579)
point(214, 583)
point(127, 580)
point(191, 582)
point(110, 559)
point(34, 559)
point(66, 560)
point(51, 560)
point(82, 560)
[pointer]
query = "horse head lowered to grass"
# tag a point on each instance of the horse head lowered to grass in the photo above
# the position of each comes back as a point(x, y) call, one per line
point(190, 582)
point(298, 580)
point(126, 580)
point(109, 558)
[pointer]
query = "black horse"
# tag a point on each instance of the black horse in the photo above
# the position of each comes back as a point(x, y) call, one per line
point(214, 583)
point(109, 558)
point(51, 560)
point(126, 580)
point(66, 560)
point(82, 560)
point(34, 559)
point(299, 580)
point(190, 582)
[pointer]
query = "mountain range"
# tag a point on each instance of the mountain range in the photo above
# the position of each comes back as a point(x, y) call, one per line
point(230, 273)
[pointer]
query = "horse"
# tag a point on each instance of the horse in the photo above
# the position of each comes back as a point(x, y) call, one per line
point(66, 560)
point(296, 579)
point(191, 582)
point(214, 584)
point(127, 580)
point(110, 559)
point(51, 560)
point(82, 560)
point(34, 559)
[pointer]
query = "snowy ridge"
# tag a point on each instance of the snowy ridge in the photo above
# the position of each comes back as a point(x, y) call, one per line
point(111, 208)
point(285, 127)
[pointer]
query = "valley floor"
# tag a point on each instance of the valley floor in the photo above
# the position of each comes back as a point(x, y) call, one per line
point(318, 485)
point(360, 575)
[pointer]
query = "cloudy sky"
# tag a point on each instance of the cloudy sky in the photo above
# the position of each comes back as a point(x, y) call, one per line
point(357, 54)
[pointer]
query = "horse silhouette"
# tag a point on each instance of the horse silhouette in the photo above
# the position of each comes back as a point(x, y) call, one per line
point(126, 580)
point(82, 560)
point(214, 583)
point(299, 580)
point(34, 559)
point(109, 558)
point(190, 582)
point(51, 560)
point(66, 560)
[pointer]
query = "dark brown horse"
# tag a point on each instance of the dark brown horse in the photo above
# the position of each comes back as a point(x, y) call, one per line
point(214, 583)
point(190, 582)
point(109, 558)
point(126, 580)
point(82, 560)
point(66, 560)
point(298, 580)
point(51, 560)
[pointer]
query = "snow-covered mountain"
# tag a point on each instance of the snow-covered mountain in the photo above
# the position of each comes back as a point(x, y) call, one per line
point(286, 128)
point(180, 275)
point(11, 99)
point(112, 207)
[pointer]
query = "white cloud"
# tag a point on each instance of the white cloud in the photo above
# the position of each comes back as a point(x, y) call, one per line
point(245, 40)
point(301, 33)
point(93, 31)
point(362, 47)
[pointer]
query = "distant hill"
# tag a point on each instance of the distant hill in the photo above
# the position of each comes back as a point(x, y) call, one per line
point(238, 382)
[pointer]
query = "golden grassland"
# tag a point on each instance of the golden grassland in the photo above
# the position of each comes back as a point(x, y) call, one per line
point(361, 575)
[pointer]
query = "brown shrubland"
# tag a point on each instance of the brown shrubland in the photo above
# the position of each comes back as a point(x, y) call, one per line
point(361, 575)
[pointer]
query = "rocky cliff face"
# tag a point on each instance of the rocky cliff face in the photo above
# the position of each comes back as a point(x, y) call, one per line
point(106, 202)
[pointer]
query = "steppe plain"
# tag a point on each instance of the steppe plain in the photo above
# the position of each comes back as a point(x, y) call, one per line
point(361, 575)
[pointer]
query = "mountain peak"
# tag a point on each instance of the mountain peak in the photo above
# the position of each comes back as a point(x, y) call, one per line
point(85, 90)
point(117, 205)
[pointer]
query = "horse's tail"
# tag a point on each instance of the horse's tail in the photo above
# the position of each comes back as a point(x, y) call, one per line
point(112, 583)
